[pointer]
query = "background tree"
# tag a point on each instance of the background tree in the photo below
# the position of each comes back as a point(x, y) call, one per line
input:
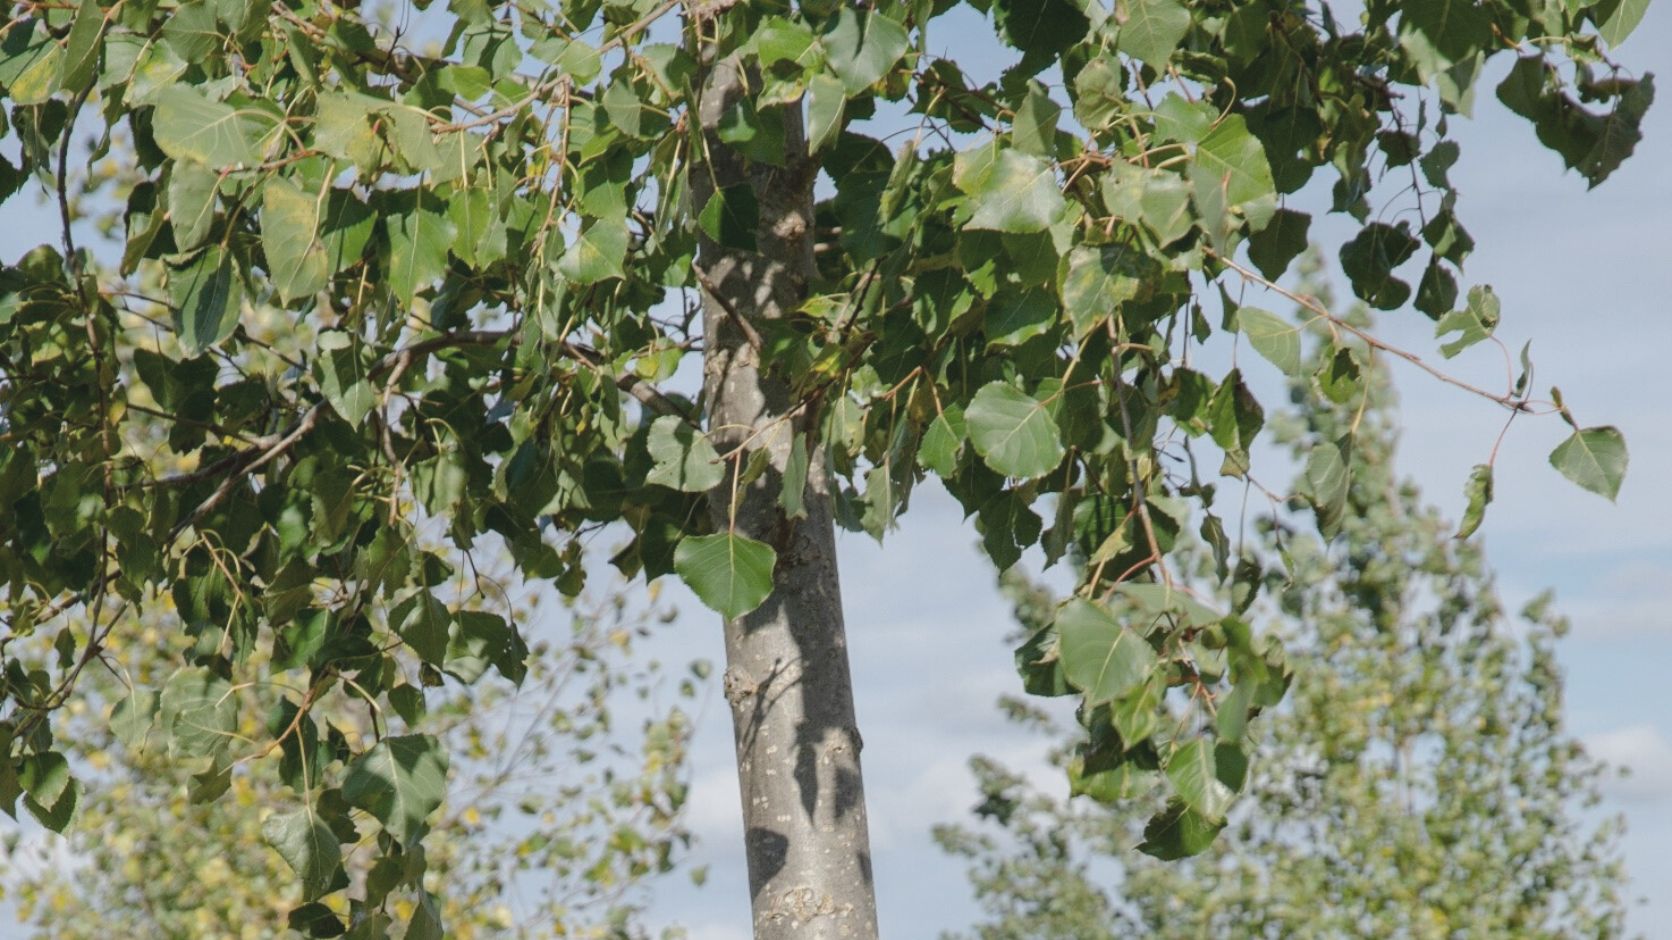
point(565, 801)
point(498, 252)
point(1416, 782)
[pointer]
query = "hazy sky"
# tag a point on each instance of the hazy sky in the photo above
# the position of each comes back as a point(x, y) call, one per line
point(1578, 273)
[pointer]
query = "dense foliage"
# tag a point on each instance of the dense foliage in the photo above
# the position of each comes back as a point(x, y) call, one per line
point(1416, 782)
point(566, 798)
point(361, 286)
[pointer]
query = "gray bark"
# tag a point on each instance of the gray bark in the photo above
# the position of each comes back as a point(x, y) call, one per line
point(787, 677)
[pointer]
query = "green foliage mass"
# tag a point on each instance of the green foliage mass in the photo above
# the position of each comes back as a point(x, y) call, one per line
point(565, 799)
point(359, 289)
point(1417, 780)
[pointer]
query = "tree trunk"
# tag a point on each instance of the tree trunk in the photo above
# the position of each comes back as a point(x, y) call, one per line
point(787, 677)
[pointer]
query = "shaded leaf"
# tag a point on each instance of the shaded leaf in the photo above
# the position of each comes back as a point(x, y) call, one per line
point(400, 782)
point(307, 844)
point(208, 295)
point(1178, 832)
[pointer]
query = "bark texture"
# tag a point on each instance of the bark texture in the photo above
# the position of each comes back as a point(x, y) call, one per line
point(787, 677)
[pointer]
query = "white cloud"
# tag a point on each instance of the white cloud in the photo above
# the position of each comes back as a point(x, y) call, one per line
point(716, 932)
point(713, 811)
point(1644, 752)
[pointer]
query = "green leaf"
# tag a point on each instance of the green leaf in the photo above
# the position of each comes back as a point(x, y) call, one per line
point(424, 622)
point(1280, 242)
point(29, 64)
point(1101, 657)
point(57, 814)
point(1195, 778)
point(862, 46)
point(191, 30)
point(728, 572)
point(1013, 431)
point(199, 715)
point(1157, 198)
point(1042, 29)
point(1096, 281)
point(1326, 481)
point(1009, 191)
point(1014, 317)
point(1616, 19)
point(343, 130)
point(1440, 34)
point(826, 102)
point(792, 495)
point(189, 126)
point(44, 776)
point(1595, 458)
point(1472, 324)
point(344, 376)
point(208, 295)
point(307, 844)
point(1137, 714)
point(942, 442)
point(1152, 30)
point(419, 240)
point(296, 258)
point(1272, 337)
point(1370, 259)
point(574, 58)
point(479, 639)
point(1035, 128)
point(481, 235)
point(345, 229)
point(731, 217)
point(1178, 832)
point(400, 782)
point(425, 923)
point(685, 460)
point(598, 253)
point(1479, 492)
point(81, 49)
point(193, 191)
point(1231, 178)
point(134, 718)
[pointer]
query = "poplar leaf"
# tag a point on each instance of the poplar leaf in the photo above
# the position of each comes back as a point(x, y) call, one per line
point(1479, 492)
point(1100, 656)
point(1010, 191)
point(728, 572)
point(1013, 431)
point(296, 258)
point(307, 844)
point(1152, 30)
point(685, 460)
point(400, 782)
point(189, 126)
point(1595, 458)
point(1273, 337)
point(208, 295)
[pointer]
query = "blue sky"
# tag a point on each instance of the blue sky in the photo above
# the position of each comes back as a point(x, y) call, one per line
point(1584, 275)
